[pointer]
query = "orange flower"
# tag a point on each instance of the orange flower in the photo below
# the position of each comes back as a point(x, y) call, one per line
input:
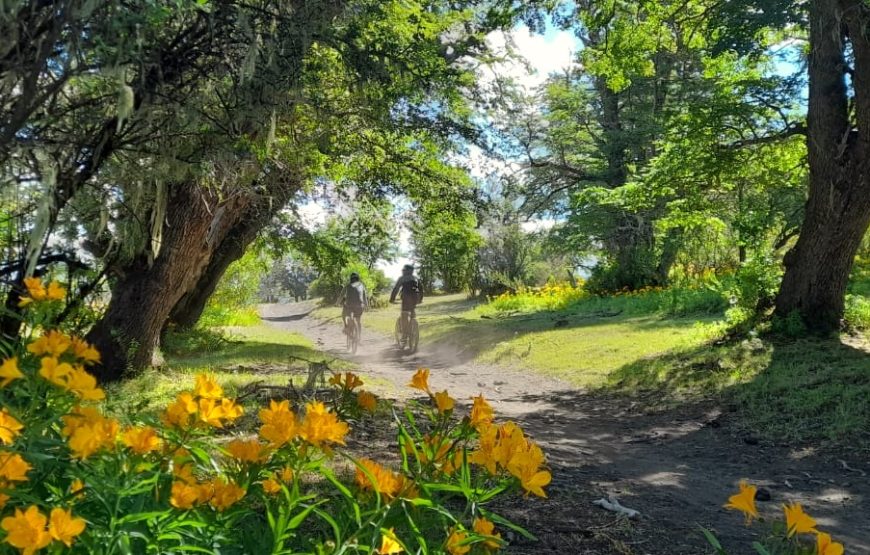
point(351, 381)
point(826, 546)
point(420, 380)
point(481, 412)
point(457, 543)
point(367, 401)
point(321, 426)
point(9, 371)
point(372, 476)
point(64, 527)
point(207, 387)
point(9, 427)
point(52, 343)
point(141, 440)
point(26, 530)
point(178, 412)
point(484, 527)
point(389, 543)
point(279, 423)
point(744, 501)
point(226, 494)
point(84, 385)
point(85, 352)
point(251, 451)
point(271, 486)
point(13, 467)
point(797, 521)
point(55, 372)
point(184, 495)
point(444, 402)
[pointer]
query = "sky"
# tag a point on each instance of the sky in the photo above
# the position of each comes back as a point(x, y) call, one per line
point(545, 54)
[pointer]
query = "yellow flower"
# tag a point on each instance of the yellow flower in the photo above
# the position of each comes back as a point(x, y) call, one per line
point(367, 401)
point(207, 387)
point(481, 412)
point(64, 527)
point(826, 546)
point(9, 371)
point(85, 352)
point(286, 475)
point(9, 427)
point(225, 495)
point(84, 385)
point(321, 426)
point(178, 412)
point(55, 372)
point(485, 454)
point(210, 412)
point(184, 472)
point(76, 487)
point(382, 480)
point(141, 440)
point(351, 381)
point(247, 451)
point(26, 530)
point(79, 416)
point(525, 465)
point(486, 528)
point(455, 543)
point(271, 486)
point(797, 521)
point(420, 380)
point(744, 501)
point(52, 343)
point(444, 402)
point(389, 545)
point(13, 467)
point(184, 495)
point(279, 423)
point(35, 288)
point(231, 409)
point(90, 437)
point(55, 292)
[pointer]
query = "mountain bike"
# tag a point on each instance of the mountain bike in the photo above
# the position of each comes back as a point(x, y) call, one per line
point(410, 338)
point(353, 331)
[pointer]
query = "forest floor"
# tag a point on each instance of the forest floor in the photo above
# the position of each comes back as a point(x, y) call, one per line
point(676, 460)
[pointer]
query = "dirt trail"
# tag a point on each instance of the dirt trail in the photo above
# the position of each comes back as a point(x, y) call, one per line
point(677, 467)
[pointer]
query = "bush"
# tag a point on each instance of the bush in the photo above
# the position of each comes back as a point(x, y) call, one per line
point(553, 296)
point(857, 314)
point(235, 298)
point(76, 478)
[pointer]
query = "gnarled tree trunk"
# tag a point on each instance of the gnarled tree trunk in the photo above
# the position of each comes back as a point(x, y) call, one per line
point(838, 144)
point(189, 308)
point(196, 222)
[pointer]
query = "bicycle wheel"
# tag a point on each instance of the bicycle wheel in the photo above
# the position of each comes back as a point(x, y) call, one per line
point(413, 336)
point(348, 334)
point(398, 332)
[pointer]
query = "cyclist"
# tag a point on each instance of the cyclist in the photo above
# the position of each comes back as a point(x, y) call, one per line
point(354, 300)
point(412, 295)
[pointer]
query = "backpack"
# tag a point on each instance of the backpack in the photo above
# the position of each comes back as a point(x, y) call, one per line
point(353, 296)
point(411, 289)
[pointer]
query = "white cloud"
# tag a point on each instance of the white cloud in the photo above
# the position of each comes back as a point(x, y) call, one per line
point(538, 224)
point(313, 214)
point(545, 55)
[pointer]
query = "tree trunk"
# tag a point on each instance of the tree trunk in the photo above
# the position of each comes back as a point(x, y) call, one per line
point(188, 310)
point(128, 333)
point(838, 207)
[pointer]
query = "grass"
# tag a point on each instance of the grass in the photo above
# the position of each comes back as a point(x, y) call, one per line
point(793, 390)
point(582, 344)
point(237, 356)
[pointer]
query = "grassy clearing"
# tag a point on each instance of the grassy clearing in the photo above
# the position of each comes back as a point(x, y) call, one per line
point(582, 344)
point(237, 357)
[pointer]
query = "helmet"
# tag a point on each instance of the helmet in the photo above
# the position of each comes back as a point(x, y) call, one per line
point(354, 276)
point(408, 268)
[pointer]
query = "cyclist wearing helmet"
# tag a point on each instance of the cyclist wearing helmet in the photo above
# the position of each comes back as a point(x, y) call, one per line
point(354, 300)
point(411, 293)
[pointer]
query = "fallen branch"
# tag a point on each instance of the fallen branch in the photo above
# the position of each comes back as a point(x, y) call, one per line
point(612, 504)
